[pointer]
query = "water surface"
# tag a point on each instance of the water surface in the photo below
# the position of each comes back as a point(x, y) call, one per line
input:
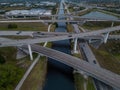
point(99, 15)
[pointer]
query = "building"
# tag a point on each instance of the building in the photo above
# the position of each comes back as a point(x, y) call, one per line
point(28, 13)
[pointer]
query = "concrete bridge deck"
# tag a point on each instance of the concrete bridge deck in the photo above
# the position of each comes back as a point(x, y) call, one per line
point(101, 74)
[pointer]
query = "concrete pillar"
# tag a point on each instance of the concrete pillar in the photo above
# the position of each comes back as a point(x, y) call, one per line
point(106, 37)
point(12, 16)
point(24, 16)
point(112, 24)
point(49, 27)
point(75, 45)
point(90, 41)
point(85, 76)
point(52, 17)
point(39, 17)
point(30, 52)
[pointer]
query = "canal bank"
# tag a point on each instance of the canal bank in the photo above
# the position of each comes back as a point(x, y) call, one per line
point(60, 76)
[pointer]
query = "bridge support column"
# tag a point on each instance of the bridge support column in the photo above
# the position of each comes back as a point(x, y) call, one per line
point(106, 37)
point(112, 24)
point(12, 17)
point(75, 46)
point(24, 16)
point(39, 17)
point(89, 41)
point(82, 73)
point(53, 18)
point(30, 52)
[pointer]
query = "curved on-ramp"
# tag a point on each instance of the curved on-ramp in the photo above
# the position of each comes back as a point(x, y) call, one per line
point(101, 74)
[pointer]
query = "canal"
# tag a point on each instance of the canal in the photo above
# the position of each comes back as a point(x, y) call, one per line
point(99, 15)
point(60, 76)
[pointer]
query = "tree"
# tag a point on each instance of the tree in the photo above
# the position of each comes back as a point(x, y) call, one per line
point(2, 59)
point(9, 76)
point(12, 26)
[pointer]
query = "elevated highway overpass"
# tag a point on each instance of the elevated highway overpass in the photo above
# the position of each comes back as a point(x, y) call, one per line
point(115, 37)
point(56, 38)
point(29, 33)
point(51, 21)
point(101, 74)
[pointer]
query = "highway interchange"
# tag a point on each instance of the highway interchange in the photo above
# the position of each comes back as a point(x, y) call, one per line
point(94, 71)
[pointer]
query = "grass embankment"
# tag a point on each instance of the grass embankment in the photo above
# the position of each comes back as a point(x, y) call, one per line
point(90, 85)
point(98, 25)
point(15, 8)
point(70, 9)
point(108, 56)
point(12, 70)
point(53, 27)
point(85, 12)
point(79, 81)
point(25, 27)
point(70, 28)
point(108, 12)
point(36, 78)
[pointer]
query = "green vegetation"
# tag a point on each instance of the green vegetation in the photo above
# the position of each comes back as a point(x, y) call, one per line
point(98, 25)
point(10, 72)
point(24, 26)
point(78, 55)
point(114, 48)
point(15, 8)
point(2, 59)
point(53, 27)
point(79, 81)
point(81, 8)
point(70, 28)
point(36, 78)
point(12, 26)
point(54, 10)
point(90, 85)
point(56, 25)
point(49, 44)
point(9, 75)
point(113, 11)
point(71, 9)
point(108, 56)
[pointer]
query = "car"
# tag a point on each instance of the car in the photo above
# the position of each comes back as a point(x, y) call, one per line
point(38, 32)
point(94, 61)
point(69, 35)
point(18, 32)
point(42, 34)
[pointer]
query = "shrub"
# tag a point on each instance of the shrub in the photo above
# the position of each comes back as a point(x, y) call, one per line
point(11, 26)
point(2, 60)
